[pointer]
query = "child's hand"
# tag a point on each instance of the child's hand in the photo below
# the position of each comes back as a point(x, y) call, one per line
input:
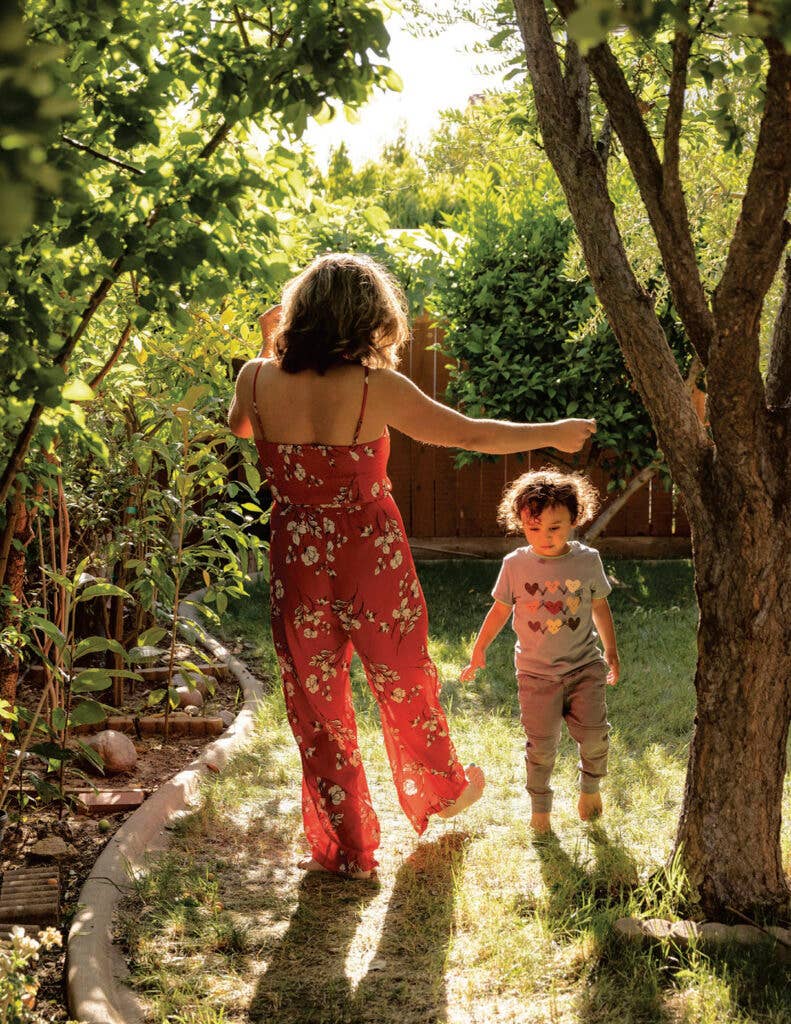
point(571, 435)
point(468, 672)
point(612, 659)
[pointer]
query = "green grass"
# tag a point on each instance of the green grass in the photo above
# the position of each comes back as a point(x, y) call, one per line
point(475, 923)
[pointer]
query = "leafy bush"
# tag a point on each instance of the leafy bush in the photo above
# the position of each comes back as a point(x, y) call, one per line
point(524, 334)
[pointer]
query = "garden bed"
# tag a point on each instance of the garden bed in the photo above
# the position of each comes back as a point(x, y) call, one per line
point(86, 834)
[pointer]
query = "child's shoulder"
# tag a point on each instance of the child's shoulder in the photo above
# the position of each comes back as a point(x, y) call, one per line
point(517, 555)
point(583, 550)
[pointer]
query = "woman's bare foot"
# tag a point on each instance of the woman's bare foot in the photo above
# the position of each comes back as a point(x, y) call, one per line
point(590, 806)
point(476, 781)
point(313, 865)
point(540, 822)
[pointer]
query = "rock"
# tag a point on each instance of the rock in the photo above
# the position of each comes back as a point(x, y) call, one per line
point(116, 750)
point(52, 848)
point(192, 711)
point(629, 928)
point(187, 696)
point(684, 932)
point(656, 928)
point(228, 717)
point(717, 934)
point(747, 934)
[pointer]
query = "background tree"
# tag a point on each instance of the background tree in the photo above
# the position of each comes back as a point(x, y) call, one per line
point(735, 480)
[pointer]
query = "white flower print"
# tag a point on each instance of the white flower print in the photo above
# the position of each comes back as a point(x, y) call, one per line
point(410, 787)
point(375, 490)
point(277, 589)
point(299, 471)
point(329, 525)
point(396, 560)
point(310, 555)
point(337, 795)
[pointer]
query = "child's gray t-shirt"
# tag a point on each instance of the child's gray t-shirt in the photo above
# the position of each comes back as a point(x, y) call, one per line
point(552, 599)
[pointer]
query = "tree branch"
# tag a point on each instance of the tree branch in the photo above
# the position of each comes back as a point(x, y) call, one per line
point(778, 377)
point(737, 404)
point(671, 178)
point(240, 24)
point(638, 481)
point(760, 234)
point(669, 219)
point(101, 156)
point(119, 347)
point(629, 309)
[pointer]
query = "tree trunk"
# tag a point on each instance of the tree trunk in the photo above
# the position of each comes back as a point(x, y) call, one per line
point(18, 533)
point(729, 832)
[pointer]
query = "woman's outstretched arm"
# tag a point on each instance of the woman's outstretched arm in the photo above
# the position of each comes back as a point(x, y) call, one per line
point(412, 412)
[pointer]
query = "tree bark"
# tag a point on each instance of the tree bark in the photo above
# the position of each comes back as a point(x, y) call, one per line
point(13, 575)
point(729, 831)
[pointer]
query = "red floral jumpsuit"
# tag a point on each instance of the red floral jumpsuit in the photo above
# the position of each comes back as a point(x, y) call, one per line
point(342, 578)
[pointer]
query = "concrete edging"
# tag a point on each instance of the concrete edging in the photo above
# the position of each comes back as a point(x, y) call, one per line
point(95, 967)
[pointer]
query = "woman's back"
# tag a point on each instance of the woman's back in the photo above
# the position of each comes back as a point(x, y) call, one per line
point(309, 408)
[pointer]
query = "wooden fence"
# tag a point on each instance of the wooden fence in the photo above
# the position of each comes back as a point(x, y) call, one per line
point(439, 501)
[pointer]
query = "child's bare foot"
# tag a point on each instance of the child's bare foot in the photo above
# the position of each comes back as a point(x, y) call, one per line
point(313, 865)
point(590, 806)
point(540, 822)
point(476, 781)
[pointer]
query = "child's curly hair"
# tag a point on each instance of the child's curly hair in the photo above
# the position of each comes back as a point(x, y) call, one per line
point(544, 488)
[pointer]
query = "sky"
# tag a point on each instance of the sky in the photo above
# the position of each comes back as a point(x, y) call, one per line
point(437, 74)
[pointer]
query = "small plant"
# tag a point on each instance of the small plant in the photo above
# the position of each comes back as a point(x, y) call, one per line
point(68, 683)
point(17, 986)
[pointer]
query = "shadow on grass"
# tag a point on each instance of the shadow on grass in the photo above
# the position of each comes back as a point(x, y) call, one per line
point(306, 980)
point(629, 983)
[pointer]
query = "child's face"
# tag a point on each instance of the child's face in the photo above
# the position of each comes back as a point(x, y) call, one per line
point(548, 534)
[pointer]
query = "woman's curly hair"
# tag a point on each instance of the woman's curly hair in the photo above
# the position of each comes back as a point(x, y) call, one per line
point(546, 488)
point(343, 307)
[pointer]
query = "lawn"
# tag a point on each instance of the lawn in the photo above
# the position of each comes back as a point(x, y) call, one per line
point(475, 923)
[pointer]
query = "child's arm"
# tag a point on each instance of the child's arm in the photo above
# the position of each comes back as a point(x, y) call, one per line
point(605, 627)
point(496, 618)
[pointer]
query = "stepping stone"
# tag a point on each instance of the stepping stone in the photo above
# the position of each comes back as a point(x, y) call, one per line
point(110, 801)
point(30, 896)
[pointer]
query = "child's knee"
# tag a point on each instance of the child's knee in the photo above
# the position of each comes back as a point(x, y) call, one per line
point(594, 744)
point(541, 751)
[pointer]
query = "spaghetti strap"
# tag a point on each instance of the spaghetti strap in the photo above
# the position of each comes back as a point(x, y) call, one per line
point(255, 404)
point(362, 407)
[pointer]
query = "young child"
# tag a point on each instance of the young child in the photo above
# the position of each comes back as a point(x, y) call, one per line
point(557, 591)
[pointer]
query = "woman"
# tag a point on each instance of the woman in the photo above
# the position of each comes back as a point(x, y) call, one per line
point(342, 576)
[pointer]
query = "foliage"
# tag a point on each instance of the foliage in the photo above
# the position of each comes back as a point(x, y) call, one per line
point(17, 986)
point(521, 331)
point(151, 167)
point(399, 181)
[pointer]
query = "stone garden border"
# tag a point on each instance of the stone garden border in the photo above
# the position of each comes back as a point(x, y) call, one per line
point(95, 967)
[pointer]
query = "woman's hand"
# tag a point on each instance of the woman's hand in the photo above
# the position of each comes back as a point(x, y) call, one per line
point(571, 435)
point(269, 321)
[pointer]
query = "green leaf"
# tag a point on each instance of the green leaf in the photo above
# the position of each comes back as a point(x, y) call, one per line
point(91, 755)
point(93, 679)
point(101, 590)
point(93, 644)
point(87, 712)
point(377, 218)
point(49, 629)
point(78, 391)
point(151, 637)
